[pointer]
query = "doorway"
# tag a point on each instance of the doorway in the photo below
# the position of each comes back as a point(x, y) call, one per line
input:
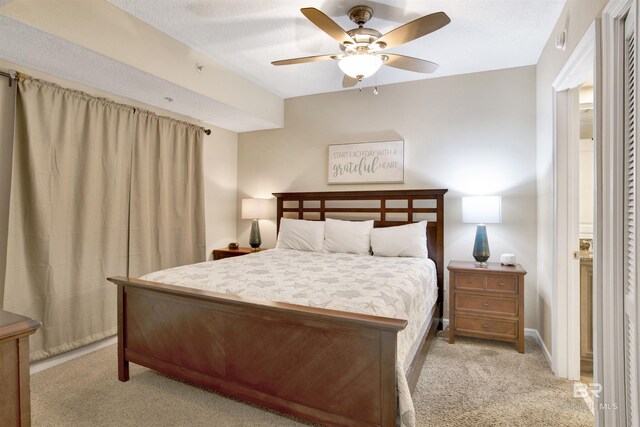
point(586, 168)
point(575, 145)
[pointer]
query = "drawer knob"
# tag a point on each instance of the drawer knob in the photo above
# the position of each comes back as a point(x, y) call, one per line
point(500, 284)
point(484, 325)
point(485, 304)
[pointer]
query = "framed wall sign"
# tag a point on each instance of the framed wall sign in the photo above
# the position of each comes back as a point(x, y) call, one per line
point(366, 163)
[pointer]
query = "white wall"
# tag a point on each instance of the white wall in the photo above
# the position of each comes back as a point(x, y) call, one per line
point(576, 18)
point(219, 159)
point(473, 134)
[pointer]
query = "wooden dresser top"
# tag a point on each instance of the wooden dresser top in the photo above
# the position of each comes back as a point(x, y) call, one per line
point(13, 324)
point(492, 267)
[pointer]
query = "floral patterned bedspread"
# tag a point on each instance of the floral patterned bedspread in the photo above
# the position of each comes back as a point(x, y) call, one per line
point(403, 288)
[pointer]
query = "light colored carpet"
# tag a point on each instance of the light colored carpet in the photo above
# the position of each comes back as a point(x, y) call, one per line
point(470, 383)
point(488, 383)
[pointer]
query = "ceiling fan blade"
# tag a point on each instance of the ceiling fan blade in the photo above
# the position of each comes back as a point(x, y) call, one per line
point(305, 59)
point(348, 81)
point(410, 64)
point(414, 29)
point(327, 25)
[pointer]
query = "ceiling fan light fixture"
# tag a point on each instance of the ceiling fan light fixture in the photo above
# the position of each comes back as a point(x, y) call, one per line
point(360, 66)
point(363, 47)
point(376, 46)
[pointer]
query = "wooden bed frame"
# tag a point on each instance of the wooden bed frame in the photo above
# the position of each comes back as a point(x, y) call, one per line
point(325, 366)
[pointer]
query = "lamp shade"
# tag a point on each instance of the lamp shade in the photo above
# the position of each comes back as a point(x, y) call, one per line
point(255, 208)
point(482, 210)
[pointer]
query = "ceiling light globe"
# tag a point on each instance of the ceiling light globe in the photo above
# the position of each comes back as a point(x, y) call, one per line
point(360, 66)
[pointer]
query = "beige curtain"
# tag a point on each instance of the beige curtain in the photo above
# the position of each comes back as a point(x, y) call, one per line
point(167, 195)
point(70, 207)
point(7, 109)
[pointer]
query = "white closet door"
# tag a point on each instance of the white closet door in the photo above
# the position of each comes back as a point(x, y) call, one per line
point(631, 338)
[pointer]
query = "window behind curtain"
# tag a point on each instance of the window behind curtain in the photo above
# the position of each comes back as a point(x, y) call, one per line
point(81, 165)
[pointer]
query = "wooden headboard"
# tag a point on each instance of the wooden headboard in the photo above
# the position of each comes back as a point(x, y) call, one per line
point(385, 207)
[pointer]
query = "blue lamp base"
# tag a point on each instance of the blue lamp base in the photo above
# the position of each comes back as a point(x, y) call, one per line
point(481, 246)
point(254, 238)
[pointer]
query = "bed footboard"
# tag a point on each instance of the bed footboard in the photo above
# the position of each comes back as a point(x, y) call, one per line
point(326, 366)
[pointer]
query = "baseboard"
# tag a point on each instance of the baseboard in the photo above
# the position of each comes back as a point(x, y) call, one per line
point(547, 355)
point(534, 333)
point(528, 332)
point(70, 355)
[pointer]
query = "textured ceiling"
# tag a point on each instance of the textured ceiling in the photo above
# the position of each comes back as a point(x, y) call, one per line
point(246, 35)
point(28, 46)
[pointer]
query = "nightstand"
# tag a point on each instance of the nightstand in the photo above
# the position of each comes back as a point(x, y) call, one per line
point(486, 302)
point(14, 369)
point(228, 253)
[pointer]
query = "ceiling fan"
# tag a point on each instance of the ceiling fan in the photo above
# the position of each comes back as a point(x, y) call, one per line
point(362, 47)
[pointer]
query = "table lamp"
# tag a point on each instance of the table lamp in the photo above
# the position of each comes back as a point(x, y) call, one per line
point(255, 209)
point(481, 210)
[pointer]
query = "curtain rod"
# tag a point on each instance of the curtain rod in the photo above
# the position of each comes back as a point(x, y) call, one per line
point(12, 75)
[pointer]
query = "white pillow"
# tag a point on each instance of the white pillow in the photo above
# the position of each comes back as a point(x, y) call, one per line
point(301, 235)
point(350, 237)
point(402, 241)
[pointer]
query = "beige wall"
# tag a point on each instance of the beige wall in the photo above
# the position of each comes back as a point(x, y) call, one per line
point(220, 155)
point(586, 162)
point(135, 43)
point(219, 159)
point(472, 134)
point(576, 17)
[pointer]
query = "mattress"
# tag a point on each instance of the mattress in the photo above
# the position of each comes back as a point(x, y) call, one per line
point(402, 288)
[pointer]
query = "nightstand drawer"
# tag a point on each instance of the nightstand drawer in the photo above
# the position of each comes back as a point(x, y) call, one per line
point(470, 281)
point(506, 284)
point(487, 302)
point(489, 305)
point(498, 328)
point(223, 253)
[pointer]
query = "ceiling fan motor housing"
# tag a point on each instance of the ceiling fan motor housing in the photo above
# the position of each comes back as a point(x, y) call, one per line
point(362, 36)
point(360, 14)
point(363, 47)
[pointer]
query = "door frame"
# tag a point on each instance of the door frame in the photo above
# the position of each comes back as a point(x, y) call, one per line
point(565, 310)
point(608, 270)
